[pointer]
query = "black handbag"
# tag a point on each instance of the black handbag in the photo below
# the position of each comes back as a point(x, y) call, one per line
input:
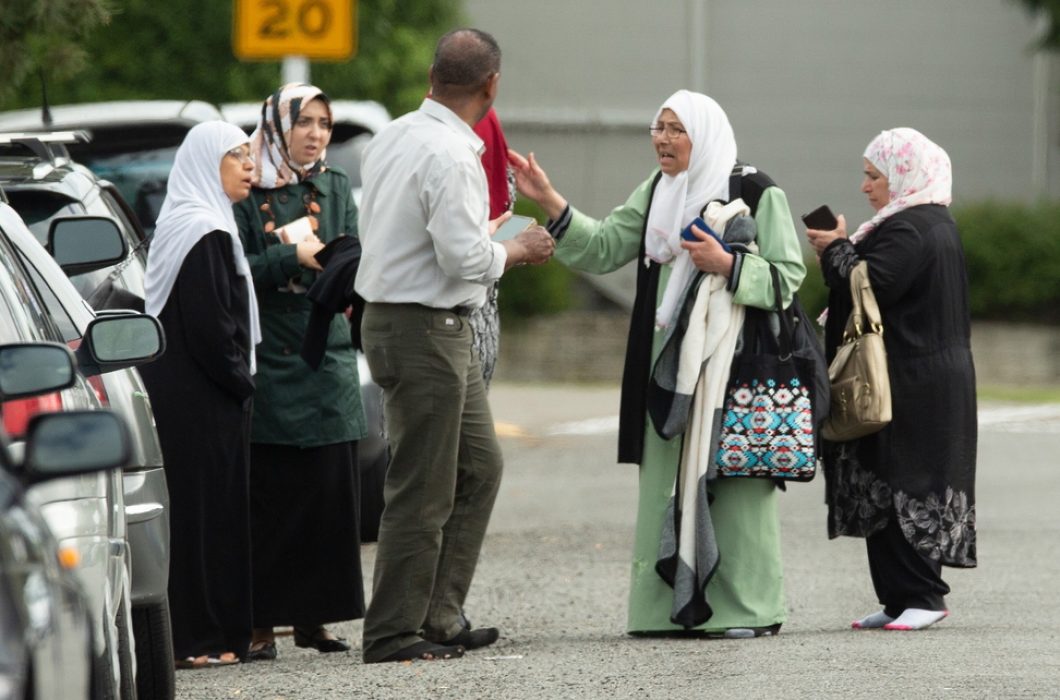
point(773, 402)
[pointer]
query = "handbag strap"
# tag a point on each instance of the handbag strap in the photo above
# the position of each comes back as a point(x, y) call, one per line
point(866, 312)
point(785, 337)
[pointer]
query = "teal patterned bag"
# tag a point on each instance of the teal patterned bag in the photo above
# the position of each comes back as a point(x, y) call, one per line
point(770, 416)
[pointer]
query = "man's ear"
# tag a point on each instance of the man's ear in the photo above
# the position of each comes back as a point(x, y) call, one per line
point(492, 86)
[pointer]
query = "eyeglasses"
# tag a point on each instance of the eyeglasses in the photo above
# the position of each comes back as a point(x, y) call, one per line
point(241, 155)
point(671, 131)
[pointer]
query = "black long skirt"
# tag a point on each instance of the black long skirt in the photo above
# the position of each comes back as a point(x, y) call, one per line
point(304, 507)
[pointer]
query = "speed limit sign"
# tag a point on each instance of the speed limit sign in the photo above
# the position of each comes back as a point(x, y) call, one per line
point(317, 29)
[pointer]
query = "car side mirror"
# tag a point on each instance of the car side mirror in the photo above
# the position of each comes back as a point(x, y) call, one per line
point(85, 243)
point(74, 442)
point(30, 369)
point(115, 342)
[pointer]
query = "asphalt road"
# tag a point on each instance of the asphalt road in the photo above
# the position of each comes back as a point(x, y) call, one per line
point(553, 576)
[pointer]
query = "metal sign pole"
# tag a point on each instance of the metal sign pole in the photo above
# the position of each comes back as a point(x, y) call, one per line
point(295, 69)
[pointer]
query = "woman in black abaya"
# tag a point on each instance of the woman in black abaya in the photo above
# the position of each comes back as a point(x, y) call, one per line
point(198, 285)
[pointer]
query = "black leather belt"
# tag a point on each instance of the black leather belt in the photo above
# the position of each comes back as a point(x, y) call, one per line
point(461, 310)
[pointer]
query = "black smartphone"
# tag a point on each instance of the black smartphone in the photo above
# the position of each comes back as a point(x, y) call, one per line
point(821, 219)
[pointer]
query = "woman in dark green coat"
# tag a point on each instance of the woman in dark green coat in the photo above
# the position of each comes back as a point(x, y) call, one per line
point(303, 486)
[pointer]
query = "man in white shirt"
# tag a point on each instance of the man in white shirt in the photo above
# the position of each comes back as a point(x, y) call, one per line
point(426, 262)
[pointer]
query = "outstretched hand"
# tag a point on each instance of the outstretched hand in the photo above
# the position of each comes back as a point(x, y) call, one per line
point(533, 183)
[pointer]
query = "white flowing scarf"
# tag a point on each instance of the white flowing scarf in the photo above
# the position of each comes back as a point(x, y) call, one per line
point(270, 145)
point(918, 172)
point(196, 205)
point(678, 199)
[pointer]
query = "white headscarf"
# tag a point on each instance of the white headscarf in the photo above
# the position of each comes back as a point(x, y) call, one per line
point(270, 143)
point(679, 198)
point(918, 172)
point(195, 205)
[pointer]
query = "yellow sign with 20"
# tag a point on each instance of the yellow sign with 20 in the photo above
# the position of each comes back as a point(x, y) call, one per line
point(324, 30)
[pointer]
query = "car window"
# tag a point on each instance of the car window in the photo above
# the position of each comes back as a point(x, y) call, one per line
point(139, 176)
point(38, 207)
point(21, 315)
point(67, 328)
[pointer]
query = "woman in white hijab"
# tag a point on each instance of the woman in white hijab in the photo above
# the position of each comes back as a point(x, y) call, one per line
point(198, 285)
point(730, 582)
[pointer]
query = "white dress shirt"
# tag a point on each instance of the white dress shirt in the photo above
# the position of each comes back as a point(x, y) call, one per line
point(424, 214)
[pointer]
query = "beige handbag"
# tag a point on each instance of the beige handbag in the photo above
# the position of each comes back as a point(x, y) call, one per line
point(861, 387)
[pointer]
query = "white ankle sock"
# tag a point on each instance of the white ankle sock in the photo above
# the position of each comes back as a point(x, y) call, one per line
point(872, 622)
point(916, 619)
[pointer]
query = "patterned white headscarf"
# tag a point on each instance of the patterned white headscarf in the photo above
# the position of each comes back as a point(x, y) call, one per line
point(269, 144)
point(196, 205)
point(918, 172)
point(679, 198)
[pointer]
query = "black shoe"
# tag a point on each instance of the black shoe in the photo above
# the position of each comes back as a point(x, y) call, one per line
point(262, 651)
point(422, 651)
point(316, 639)
point(474, 638)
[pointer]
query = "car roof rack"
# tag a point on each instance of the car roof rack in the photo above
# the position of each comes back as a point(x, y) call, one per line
point(46, 145)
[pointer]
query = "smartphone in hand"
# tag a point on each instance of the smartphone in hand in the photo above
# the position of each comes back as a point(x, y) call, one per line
point(513, 227)
point(699, 223)
point(821, 219)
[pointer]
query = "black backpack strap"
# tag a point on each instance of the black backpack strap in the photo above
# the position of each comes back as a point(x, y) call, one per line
point(749, 183)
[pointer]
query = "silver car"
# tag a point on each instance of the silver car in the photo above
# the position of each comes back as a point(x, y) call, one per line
point(87, 513)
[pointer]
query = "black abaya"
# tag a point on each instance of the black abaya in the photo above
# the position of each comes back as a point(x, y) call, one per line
point(201, 392)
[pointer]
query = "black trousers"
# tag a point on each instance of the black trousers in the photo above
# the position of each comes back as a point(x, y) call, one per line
point(903, 578)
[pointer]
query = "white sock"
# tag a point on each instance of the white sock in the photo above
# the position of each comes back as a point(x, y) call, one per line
point(916, 619)
point(872, 622)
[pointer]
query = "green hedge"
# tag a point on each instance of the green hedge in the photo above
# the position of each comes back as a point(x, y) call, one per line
point(535, 289)
point(1013, 257)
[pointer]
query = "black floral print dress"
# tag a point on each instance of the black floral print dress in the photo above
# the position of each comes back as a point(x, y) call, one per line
point(920, 469)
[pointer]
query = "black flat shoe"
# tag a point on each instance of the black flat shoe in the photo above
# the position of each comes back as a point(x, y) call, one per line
point(262, 651)
point(474, 638)
point(315, 639)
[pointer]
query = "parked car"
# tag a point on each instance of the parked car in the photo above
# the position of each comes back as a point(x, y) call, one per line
point(87, 513)
point(132, 142)
point(44, 186)
point(46, 640)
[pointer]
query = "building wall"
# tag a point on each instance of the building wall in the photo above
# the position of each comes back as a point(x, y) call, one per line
point(806, 86)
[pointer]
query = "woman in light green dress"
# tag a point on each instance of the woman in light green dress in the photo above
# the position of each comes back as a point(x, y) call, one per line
point(696, 154)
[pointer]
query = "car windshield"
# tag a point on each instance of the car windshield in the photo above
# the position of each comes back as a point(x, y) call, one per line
point(140, 177)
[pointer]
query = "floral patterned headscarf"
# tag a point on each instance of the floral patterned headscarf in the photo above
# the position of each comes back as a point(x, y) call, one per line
point(918, 172)
point(273, 166)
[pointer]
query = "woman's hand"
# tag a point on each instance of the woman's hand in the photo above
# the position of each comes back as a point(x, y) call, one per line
point(822, 239)
point(533, 183)
point(707, 254)
point(306, 249)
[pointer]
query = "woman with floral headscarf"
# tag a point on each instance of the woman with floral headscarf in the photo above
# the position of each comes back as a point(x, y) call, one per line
point(304, 485)
point(719, 574)
point(198, 285)
point(910, 488)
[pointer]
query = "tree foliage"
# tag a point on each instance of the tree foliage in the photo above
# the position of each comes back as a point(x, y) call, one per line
point(1050, 9)
point(183, 50)
point(38, 33)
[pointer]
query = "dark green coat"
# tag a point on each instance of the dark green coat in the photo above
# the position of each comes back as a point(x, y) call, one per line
point(294, 405)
